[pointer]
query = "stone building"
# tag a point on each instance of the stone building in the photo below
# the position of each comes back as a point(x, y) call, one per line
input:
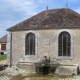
point(3, 43)
point(54, 33)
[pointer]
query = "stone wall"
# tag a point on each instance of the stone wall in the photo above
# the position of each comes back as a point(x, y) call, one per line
point(8, 48)
point(46, 44)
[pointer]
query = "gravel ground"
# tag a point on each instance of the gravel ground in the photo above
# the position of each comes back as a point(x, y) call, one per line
point(3, 61)
point(14, 73)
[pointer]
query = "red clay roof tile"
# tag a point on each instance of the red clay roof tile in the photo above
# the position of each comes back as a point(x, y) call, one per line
point(3, 39)
point(54, 18)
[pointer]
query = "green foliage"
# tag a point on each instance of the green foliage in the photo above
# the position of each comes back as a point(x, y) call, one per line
point(3, 57)
point(73, 74)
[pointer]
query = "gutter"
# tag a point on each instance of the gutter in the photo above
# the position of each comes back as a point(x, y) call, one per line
point(58, 27)
point(10, 49)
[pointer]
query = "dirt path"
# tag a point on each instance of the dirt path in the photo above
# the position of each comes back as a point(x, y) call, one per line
point(3, 61)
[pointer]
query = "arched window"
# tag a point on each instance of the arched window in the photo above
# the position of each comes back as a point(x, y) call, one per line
point(30, 44)
point(64, 46)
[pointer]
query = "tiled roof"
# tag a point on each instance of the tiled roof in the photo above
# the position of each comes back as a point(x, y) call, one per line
point(3, 39)
point(52, 18)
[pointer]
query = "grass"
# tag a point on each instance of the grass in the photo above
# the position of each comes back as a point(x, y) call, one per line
point(40, 77)
point(34, 76)
point(18, 77)
point(3, 57)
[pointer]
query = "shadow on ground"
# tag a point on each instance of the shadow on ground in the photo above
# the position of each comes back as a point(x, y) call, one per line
point(3, 66)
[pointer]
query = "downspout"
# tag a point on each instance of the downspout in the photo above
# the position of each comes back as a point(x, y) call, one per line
point(10, 49)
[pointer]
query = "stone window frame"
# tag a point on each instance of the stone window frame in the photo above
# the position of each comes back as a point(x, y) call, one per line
point(30, 44)
point(36, 52)
point(64, 47)
point(72, 45)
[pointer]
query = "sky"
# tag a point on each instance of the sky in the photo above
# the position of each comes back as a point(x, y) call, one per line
point(15, 11)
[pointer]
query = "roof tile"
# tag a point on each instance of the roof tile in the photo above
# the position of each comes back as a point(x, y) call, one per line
point(53, 18)
point(3, 39)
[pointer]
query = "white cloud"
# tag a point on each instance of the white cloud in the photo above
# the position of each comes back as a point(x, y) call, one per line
point(14, 11)
point(73, 1)
point(6, 16)
point(26, 6)
point(4, 25)
point(23, 5)
point(29, 8)
point(41, 1)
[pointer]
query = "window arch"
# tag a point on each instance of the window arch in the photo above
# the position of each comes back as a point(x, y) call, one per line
point(64, 47)
point(30, 44)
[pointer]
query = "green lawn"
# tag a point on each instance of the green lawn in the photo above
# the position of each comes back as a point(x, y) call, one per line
point(3, 57)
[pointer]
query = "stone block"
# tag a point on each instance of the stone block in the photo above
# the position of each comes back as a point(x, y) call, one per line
point(67, 70)
point(27, 66)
